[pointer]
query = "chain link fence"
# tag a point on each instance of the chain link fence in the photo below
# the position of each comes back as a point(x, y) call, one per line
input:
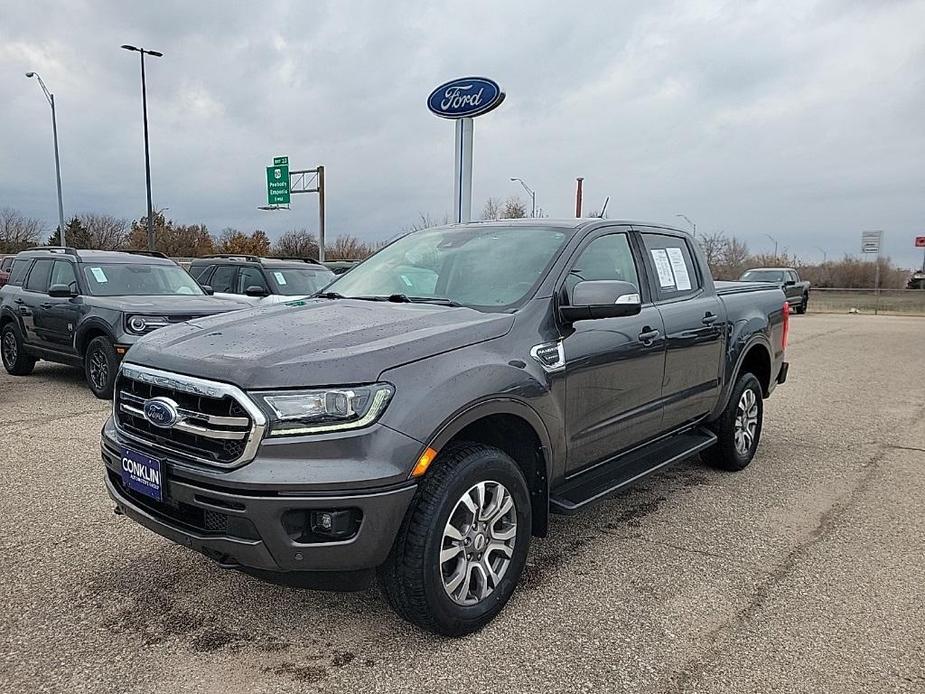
point(909, 302)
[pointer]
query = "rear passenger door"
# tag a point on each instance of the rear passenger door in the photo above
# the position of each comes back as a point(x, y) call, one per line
point(693, 326)
point(33, 296)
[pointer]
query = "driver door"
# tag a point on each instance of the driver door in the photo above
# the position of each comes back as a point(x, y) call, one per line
point(56, 317)
point(613, 366)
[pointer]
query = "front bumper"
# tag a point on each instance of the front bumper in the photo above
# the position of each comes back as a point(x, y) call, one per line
point(245, 527)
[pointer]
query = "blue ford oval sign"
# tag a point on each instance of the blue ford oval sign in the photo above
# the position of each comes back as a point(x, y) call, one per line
point(465, 97)
point(161, 412)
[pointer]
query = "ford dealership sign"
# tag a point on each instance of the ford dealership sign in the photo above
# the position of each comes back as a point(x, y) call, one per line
point(465, 97)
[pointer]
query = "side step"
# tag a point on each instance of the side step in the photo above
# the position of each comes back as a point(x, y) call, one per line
point(623, 471)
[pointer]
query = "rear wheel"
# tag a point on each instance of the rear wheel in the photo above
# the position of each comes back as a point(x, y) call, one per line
point(738, 429)
point(100, 366)
point(15, 360)
point(463, 544)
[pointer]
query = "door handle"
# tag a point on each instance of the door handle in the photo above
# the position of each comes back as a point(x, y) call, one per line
point(19, 301)
point(648, 335)
point(709, 319)
point(47, 305)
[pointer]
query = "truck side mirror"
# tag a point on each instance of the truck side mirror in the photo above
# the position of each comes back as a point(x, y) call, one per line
point(256, 290)
point(207, 289)
point(789, 283)
point(593, 299)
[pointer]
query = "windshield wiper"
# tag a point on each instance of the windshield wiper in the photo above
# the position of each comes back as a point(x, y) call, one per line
point(405, 299)
point(329, 295)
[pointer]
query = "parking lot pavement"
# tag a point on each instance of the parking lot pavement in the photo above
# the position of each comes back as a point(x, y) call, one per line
point(801, 574)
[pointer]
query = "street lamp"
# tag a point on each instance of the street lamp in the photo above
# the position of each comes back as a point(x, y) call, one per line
point(530, 192)
point(687, 219)
point(144, 109)
point(825, 256)
point(775, 244)
point(54, 129)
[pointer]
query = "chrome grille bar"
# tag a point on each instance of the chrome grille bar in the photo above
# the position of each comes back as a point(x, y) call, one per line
point(218, 420)
point(191, 428)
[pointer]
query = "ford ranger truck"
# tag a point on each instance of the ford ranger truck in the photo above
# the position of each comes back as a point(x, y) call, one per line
point(425, 413)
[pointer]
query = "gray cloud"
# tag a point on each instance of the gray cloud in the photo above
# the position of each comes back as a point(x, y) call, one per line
point(798, 119)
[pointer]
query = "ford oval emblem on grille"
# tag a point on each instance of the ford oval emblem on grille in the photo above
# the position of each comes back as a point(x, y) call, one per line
point(161, 412)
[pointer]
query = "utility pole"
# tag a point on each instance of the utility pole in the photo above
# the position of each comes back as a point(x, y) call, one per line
point(144, 110)
point(54, 128)
point(580, 181)
point(775, 244)
point(321, 213)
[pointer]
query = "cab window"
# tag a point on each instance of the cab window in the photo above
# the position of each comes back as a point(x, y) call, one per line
point(673, 264)
point(20, 267)
point(605, 258)
point(251, 277)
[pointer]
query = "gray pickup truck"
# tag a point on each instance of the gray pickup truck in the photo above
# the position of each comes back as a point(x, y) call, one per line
point(788, 279)
point(426, 413)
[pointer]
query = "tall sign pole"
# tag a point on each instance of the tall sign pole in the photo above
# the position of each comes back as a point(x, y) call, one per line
point(462, 100)
point(321, 213)
point(283, 183)
point(870, 243)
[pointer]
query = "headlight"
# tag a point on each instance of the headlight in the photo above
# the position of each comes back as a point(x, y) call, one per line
point(145, 324)
point(328, 409)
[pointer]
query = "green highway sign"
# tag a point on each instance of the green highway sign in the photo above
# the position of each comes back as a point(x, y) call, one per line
point(278, 182)
point(280, 161)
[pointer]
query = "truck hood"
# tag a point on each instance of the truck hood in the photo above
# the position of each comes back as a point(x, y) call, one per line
point(173, 305)
point(314, 342)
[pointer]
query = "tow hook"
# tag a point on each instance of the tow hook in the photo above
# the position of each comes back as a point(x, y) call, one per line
point(117, 510)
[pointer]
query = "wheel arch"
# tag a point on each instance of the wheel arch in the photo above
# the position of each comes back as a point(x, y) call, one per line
point(755, 357)
point(517, 429)
point(88, 332)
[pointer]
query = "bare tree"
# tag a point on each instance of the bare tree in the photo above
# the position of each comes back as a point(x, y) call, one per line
point(297, 243)
point(104, 231)
point(427, 220)
point(492, 209)
point(713, 245)
point(17, 231)
point(347, 247)
point(513, 208)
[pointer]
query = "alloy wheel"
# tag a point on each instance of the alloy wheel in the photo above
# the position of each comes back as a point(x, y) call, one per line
point(478, 542)
point(99, 369)
point(10, 348)
point(746, 424)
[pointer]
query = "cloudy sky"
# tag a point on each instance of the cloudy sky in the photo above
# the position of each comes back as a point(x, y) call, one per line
point(802, 120)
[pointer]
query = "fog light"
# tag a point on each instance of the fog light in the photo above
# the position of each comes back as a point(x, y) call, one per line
point(334, 524)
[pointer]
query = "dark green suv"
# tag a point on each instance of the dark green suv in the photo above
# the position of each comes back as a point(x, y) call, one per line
point(86, 308)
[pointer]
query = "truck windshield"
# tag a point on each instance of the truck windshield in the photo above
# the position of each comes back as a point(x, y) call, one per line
point(490, 268)
point(297, 281)
point(763, 276)
point(136, 279)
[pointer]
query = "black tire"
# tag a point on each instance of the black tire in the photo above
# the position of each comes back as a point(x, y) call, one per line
point(413, 578)
point(15, 360)
point(726, 454)
point(100, 367)
point(804, 302)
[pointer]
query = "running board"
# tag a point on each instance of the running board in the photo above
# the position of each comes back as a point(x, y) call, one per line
point(623, 471)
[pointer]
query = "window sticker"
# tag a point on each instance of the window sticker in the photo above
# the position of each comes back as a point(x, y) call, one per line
point(99, 275)
point(280, 279)
point(663, 268)
point(680, 269)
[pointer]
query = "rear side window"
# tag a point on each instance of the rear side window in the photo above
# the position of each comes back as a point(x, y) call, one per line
point(20, 267)
point(223, 279)
point(38, 278)
point(199, 271)
point(675, 272)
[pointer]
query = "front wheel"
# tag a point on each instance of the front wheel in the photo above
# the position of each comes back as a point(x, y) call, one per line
point(804, 302)
point(15, 360)
point(463, 544)
point(738, 429)
point(100, 366)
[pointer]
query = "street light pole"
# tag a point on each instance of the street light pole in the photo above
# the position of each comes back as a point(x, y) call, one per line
point(144, 109)
point(825, 256)
point(775, 244)
point(687, 219)
point(54, 129)
point(531, 193)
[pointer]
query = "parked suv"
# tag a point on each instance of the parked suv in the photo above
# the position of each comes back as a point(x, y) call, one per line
point(86, 308)
point(6, 264)
point(426, 412)
point(796, 290)
point(262, 281)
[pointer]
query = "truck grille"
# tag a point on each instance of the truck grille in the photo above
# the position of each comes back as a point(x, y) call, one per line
point(216, 423)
